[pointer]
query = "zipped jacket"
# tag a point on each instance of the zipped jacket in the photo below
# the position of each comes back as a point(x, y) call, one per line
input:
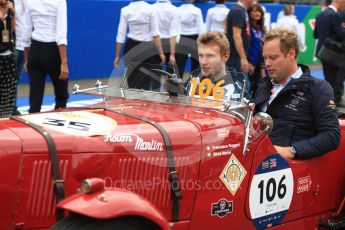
point(303, 115)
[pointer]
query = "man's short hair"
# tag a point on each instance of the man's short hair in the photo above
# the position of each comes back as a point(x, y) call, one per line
point(287, 37)
point(216, 38)
point(288, 9)
point(220, 1)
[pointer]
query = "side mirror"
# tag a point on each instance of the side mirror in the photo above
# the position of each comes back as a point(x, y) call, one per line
point(263, 123)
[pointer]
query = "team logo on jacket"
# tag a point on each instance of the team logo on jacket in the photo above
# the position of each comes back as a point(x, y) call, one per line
point(295, 101)
point(300, 93)
point(233, 174)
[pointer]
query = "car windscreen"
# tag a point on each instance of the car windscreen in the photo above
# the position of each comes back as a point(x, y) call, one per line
point(205, 88)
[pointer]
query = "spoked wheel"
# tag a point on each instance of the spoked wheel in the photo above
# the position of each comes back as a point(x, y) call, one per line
point(77, 222)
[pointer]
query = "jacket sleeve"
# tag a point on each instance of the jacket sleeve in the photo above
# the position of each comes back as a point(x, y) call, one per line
point(122, 28)
point(337, 28)
point(327, 137)
point(261, 97)
point(316, 33)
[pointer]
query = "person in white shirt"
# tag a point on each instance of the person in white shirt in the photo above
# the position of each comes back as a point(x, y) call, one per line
point(45, 42)
point(142, 38)
point(280, 14)
point(19, 46)
point(167, 25)
point(191, 26)
point(289, 20)
point(215, 17)
point(8, 79)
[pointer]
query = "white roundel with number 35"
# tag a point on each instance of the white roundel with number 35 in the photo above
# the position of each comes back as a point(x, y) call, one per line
point(271, 192)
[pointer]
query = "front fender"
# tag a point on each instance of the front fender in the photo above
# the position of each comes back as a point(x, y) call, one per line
point(110, 204)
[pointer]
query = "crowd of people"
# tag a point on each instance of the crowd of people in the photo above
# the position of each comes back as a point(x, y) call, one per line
point(302, 107)
point(179, 28)
point(170, 31)
point(33, 38)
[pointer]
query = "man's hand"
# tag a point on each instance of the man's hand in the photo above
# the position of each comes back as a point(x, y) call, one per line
point(64, 71)
point(117, 62)
point(25, 66)
point(246, 67)
point(172, 60)
point(285, 152)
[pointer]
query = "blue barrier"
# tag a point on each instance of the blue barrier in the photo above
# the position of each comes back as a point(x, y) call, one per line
point(92, 29)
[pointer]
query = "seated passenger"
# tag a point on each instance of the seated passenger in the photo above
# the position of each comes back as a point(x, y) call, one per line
point(305, 123)
point(213, 52)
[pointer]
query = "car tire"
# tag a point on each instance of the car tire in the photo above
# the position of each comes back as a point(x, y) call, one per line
point(78, 222)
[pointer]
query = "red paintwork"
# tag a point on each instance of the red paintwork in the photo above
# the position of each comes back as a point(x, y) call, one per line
point(10, 164)
point(100, 205)
point(136, 181)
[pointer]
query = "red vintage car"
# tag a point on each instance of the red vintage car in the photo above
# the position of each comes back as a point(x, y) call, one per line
point(156, 160)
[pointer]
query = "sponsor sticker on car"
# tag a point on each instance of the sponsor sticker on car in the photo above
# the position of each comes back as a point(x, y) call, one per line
point(221, 208)
point(303, 184)
point(233, 174)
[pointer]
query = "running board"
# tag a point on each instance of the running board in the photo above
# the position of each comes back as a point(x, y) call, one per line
point(333, 224)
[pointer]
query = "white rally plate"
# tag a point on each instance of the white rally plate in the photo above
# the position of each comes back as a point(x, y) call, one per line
point(271, 192)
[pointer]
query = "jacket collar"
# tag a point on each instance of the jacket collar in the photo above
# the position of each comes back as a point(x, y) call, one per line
point(333, 8)
point(221, 5)
point(305, 75)
point(304, 82)
point(241, 4)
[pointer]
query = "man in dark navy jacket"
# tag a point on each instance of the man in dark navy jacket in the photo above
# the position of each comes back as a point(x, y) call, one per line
point(302, 107)
point(328, 25)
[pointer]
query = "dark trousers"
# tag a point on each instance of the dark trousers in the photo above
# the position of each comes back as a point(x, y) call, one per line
point(44, 59)
point(255, 79)
point(19, 57)
point(8, 82)
point(187, 45)
point(335, 77)
point(139, 58)
point(235, 63)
